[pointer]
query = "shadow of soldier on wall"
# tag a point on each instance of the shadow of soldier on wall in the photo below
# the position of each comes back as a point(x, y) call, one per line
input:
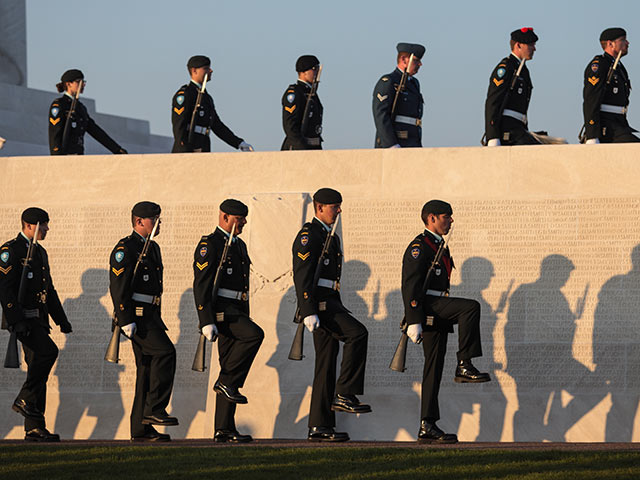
point(616, 348)
point(539, 335)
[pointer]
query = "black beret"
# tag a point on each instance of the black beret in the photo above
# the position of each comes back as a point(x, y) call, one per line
point(415, 48)
point(437, 207)
point(72, 75)
point(327, 196)
point(146, 209)
point(234, 207)
point(612, 34)
point(306, 62)
point(198, 61)
point(524, 35)
point(34, 215)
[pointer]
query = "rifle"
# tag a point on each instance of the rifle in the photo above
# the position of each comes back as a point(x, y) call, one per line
point(483, 140)
point(400, 356)
point(199, 359)
point(401, 85)
point(307, 106)
point(113, 349)
point(12, 359)
point(67, 123)
point(298, 340)
point(192, 124)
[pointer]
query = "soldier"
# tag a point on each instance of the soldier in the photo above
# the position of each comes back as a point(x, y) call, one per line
point(402, 126)
point(324, 314)
point(606, 99)
point(228, 317)
point(206, 119)
point(29, 318)
point(431, 314)
point(294, 102)
point(136, 300)
point(505, 110)
point(71, 82)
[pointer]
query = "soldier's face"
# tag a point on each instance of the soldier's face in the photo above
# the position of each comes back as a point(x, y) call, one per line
point(198, 74)
point(144, 226)
point(309, 75)
point(440, 224)
point(30, 230)
point(72, 87)
point(620, 45)
point(328, 213)
point(525, 50)
point(239, 221)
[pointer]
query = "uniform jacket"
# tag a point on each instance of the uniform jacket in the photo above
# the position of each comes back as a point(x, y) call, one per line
point(40, 293)
point(183, 103)
point(81, 122)
point(294, 101)
point(410, 104)
point(147, 281)
point(499, 85)
point(306, 249)
point(235, 276)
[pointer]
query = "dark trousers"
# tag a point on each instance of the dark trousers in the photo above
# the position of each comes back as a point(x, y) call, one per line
point(40, 353)
point(514, 132)
point(335, 328)
point(448, 311)
point(239, 341)
point(155, 368)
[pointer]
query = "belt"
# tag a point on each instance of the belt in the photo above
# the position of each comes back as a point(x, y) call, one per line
point(201, 130)
point(614, 109)
point(233, 294)
point(410, 120)
point(513, 114)
point(437, 293)
point(314, 142)
point(31, 313)
point(332, 284)
point(144, 298)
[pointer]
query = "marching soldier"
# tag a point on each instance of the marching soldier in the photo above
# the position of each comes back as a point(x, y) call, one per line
point(136, 300)
point(430, 315)
point(72, 84)
point(606, 92)
point(294, 106)
point(324, 314)
point(402, 126)
point(206, 118)
point(505, 110)
point(29, 318)
point(240, 338)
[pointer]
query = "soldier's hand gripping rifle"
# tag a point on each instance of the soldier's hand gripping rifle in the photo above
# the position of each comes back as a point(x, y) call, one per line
point(70, 114)
point(400, 356)
point(307, 106)
point(194, 114)
point(298, 341)
point(113, 349)
point(12, 359)
point(401, 85)
point(201, 351)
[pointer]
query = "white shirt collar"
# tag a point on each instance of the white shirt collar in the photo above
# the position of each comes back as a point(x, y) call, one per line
point(196, 83)
point(438, 237)
point(226, 234)
point(25, 237)
point(328, 228)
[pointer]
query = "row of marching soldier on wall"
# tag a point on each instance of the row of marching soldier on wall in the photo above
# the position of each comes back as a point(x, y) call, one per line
point(397, 104)
point(221, 269)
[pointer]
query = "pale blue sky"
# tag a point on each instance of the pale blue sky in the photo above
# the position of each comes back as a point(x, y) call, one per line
point(134, 52)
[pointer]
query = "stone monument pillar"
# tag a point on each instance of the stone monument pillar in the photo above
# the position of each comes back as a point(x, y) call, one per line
point(13, 42)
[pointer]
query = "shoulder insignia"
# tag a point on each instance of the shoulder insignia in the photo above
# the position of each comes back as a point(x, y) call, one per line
point(202, 266)
point(414, 303)
point(178, 110)
point(180, 99)
point(591, 122)
point(120, 247)
point(382, 98)
point(415, 252)
point(55, 111)
point(4, 256)
point(119, 256)
point(304, 239)
point(54, 122)
point(290, 91)
point(6, 270)
point(117, 272)
point(203, 251)
point(385, 79)
point(500, 72)
point(593, 80)
point(291, 97)
point(304, 256)
point(594, 67)
point(502, 64)
point(498, 82)
point(55, 149)
point(290, 109)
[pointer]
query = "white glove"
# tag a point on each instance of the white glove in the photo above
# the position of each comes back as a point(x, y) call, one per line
point(2, 140)
point(210, 331)
point(397, 145)
point(311, 322)
point(414, 332)
point(592, 141)
point(245, 147)
point(130, 329)
point(494, 142)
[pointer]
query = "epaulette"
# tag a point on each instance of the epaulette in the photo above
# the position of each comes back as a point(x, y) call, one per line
point(8, 244)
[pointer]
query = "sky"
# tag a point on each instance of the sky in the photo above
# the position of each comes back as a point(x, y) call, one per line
point(133, 54)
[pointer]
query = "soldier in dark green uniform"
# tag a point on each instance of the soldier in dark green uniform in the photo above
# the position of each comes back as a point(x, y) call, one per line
point(30, 319)
point(403, 126)
point(294, 103)
point(207, 119)
point(431, 314)
point(239, 337)
point(606, 103)
point(136, 301)
point(323, 313)
point(81, 122)
point(505, 110)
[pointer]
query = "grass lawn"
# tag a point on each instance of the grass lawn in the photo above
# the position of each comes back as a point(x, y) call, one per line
point(115, 463)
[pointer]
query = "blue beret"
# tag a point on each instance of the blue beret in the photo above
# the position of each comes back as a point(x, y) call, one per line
point(415, 48)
